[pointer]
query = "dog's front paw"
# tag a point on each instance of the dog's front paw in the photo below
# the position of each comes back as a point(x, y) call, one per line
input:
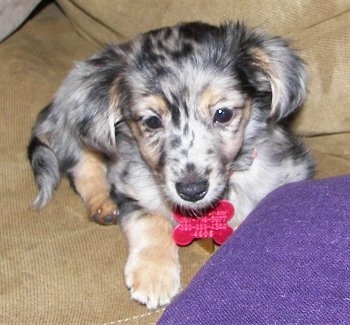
point(104, 213)
point(153, 279)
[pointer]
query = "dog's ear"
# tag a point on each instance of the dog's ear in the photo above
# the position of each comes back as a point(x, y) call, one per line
point(274, 67)
point(89, 97)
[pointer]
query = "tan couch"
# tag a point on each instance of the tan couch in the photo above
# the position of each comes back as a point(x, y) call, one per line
point(57, 267)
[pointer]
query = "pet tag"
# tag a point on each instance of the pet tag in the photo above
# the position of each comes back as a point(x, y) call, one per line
point(212, 224)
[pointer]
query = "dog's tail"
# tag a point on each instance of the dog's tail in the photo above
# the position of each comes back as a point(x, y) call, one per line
point(46, 170)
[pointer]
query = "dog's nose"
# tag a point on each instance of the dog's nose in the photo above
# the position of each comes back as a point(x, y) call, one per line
point(192, 191)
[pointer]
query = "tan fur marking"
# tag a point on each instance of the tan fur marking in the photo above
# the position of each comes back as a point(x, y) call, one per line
point(155, 228)
point(262, 57)
point(45, 139)
point(212, 96)
point(90, 182)
point(152, 271)
point(232, 147)
point(209, 98)
point(267, 66)
point(149, 153)
point(156, 103)
point(114, 113)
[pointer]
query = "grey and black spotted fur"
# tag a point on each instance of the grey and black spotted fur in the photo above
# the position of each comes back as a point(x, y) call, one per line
point(179, 117)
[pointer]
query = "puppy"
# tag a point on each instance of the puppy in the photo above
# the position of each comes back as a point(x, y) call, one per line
point(180, 117)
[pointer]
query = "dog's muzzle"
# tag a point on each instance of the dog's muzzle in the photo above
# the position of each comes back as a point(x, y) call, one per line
point(192, 191)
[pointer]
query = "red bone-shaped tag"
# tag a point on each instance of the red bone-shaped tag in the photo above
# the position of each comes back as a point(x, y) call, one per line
point(213, 224)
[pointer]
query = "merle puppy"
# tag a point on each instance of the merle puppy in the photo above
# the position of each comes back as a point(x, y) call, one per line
point(179, 117)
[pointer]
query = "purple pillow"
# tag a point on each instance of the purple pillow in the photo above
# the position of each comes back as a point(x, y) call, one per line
point(288, 263)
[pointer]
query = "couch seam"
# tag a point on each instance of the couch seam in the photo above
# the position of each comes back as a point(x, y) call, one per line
point(344, 12)
point(136, 317)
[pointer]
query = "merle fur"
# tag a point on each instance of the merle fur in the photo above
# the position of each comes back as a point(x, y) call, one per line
point(157, 62)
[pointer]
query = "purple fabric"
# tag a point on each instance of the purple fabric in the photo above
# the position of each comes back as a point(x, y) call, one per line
point(288, 263)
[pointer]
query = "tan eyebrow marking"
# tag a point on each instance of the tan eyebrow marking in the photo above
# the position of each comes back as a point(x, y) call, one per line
point(157, 104)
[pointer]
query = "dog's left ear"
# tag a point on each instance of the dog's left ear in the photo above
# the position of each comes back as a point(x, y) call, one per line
point(276, 69)
point(90, 96)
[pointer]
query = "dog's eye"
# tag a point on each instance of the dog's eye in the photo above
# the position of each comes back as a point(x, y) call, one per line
point(154, 122)
point(223, 115)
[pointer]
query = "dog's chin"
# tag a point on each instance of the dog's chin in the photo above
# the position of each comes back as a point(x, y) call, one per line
point(194, 209)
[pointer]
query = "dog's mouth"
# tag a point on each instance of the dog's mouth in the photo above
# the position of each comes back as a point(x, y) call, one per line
point(195, 211)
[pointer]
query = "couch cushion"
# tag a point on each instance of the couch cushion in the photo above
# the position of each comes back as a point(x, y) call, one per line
point(289, 263)
point(123, 19)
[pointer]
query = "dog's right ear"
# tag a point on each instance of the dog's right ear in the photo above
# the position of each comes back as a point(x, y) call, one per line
point(89, 97)
point(286, 74)
point(271, 66)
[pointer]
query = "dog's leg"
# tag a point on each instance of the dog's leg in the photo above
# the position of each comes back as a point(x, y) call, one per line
point(152, 271)
point(89, 178)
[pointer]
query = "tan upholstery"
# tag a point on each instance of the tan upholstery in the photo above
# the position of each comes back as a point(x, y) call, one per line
point(57, 267)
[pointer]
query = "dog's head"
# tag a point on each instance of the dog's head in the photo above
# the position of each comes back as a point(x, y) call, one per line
point(195, 95)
